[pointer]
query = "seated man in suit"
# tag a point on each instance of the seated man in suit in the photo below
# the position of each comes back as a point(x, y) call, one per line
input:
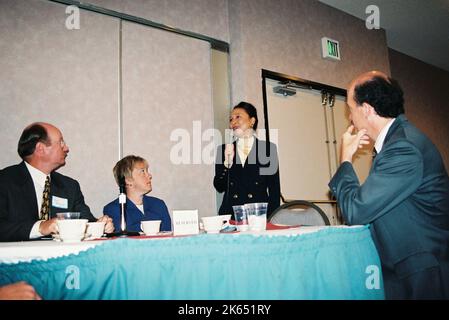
point(133, 170)
point(405, 198)
point(32, 192)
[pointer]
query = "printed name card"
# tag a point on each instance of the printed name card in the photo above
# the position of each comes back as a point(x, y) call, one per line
point(185, 222)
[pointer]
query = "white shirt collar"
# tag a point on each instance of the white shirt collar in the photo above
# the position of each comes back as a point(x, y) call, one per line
point(37, 175)
point(249, 141)
point(241, 142)
point(382, 135)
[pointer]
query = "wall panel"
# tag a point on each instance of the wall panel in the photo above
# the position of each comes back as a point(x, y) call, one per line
point(207, 17)
point(65, 77)
point(166, 87)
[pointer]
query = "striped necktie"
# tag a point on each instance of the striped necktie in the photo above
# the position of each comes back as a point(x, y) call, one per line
point(45, 208)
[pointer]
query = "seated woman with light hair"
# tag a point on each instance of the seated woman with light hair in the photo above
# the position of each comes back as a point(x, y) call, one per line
point(139, 207)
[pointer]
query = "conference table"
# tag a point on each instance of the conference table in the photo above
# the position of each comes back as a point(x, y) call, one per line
point(281, 263)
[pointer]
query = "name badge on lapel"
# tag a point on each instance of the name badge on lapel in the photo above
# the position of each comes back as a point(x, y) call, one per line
point(58, 202)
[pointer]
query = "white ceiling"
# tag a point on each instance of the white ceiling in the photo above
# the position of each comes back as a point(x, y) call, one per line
point(418, 28)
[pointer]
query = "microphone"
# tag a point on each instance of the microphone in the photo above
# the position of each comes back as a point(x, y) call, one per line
point(230, 136)
point(229, 147)
point(122, 202)
point(229, 153)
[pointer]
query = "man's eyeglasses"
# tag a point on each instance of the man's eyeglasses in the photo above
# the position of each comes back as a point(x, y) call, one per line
point(60, 142)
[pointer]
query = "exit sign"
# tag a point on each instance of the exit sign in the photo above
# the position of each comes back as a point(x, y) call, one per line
point(330, 49)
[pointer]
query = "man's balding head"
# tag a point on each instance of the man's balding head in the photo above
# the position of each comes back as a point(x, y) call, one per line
point(42, 145)
point(380, 91)
point(31, 135)
point(368, 76)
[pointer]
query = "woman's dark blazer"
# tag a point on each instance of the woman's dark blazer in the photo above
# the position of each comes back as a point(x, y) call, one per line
point(257, 181)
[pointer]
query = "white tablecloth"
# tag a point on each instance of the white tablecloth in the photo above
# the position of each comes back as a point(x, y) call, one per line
point(13, 252)
point(325, 263)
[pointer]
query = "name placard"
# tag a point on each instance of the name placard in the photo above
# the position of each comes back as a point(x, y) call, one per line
point(185, 222)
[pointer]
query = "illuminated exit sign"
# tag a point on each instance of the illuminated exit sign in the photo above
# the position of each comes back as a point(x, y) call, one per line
point(330, 49)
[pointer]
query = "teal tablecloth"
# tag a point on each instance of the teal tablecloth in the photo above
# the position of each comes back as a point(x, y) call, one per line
point(336, 263)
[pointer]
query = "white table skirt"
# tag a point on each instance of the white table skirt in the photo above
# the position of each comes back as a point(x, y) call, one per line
point(26, 251)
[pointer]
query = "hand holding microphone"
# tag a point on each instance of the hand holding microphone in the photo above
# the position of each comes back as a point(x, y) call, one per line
point(229, 148)
point(229, 154)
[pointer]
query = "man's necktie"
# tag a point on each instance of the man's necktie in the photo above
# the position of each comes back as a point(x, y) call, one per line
point(374, 153)
point(45, 208)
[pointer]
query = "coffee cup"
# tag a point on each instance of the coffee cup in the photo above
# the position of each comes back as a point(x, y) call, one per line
point(95, 229)
point(68, 215)
point(71, 230)
point(150, 227)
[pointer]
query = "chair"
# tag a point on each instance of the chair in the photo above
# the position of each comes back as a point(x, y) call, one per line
point(299, 212)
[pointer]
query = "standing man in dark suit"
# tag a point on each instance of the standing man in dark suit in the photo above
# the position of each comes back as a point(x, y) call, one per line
point(32, 192)
point(405, 198)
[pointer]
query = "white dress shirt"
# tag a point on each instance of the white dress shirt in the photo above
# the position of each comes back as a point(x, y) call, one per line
point(39, 184)
point(378, 145)
point(241, 143)
point(140, 207)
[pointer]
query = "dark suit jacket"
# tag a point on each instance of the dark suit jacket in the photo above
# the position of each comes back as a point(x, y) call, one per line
point(18, 203)
point(405, 199)
point(257, 181)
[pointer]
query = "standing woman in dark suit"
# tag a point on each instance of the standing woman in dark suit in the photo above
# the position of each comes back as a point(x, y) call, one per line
point(247, 170)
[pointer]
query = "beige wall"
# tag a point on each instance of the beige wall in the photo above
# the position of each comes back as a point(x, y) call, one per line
point(65, 77)
point(221, 99)
point(285, 36)
point(426, 97)
point(207, 17)
point(71, 78)
point(158, 79)
point(43, 64)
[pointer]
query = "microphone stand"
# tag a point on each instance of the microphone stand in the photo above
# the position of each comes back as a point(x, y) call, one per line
point(231, 140)
point(227, 185)
point(122, 201)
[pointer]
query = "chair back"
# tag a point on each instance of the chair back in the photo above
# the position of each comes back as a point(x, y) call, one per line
point(299, 212)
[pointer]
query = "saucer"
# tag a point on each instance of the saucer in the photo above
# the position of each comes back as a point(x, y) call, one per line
point(71, 241)
point(94, 238)
point(213, 231)
point(57, 238)
point(159, 234)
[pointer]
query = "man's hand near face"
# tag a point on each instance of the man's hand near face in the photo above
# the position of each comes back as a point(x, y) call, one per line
point(351, 142)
